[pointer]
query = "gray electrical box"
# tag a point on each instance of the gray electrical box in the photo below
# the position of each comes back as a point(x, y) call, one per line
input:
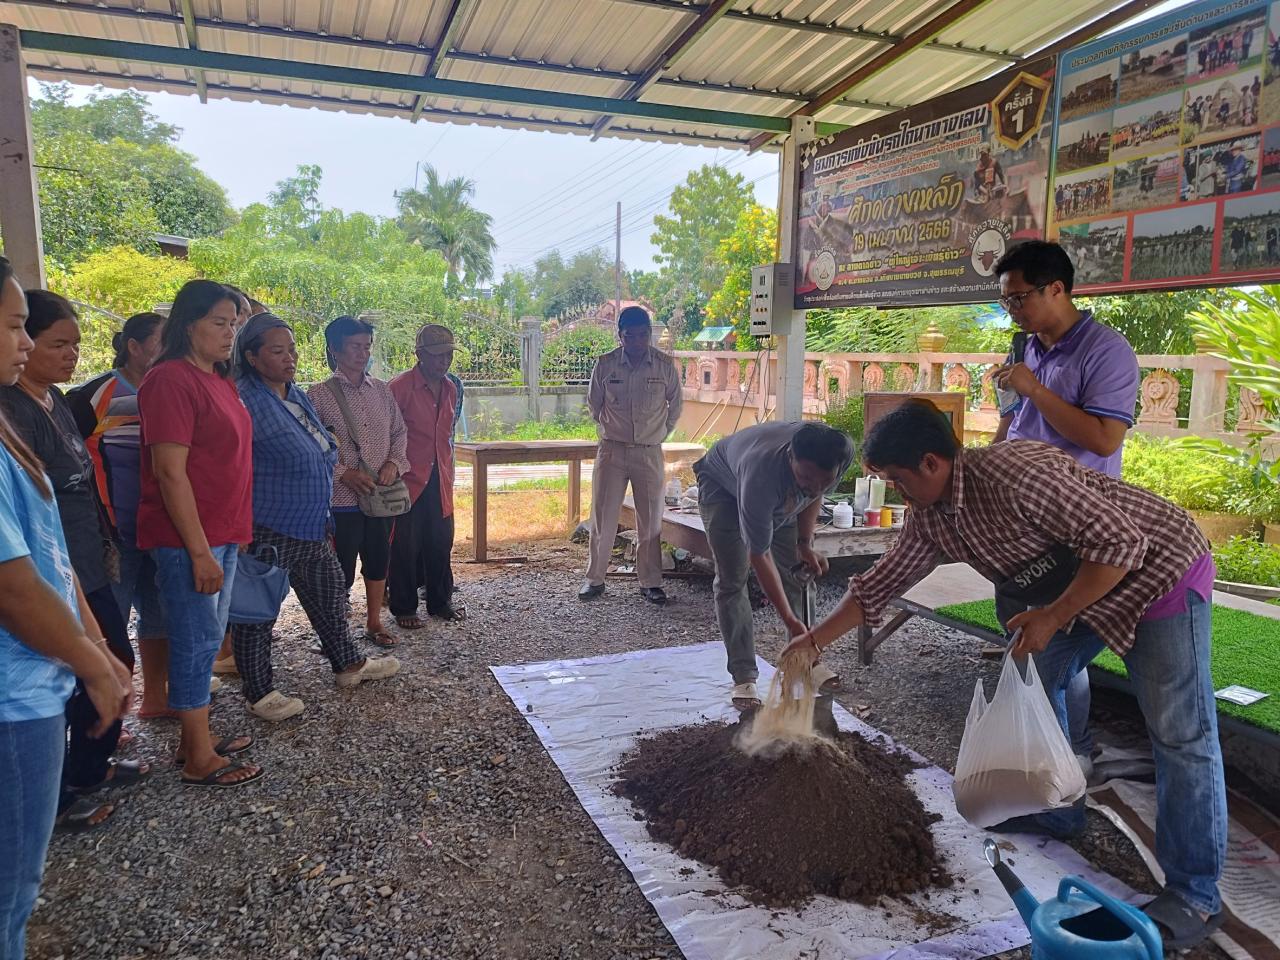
point(772, 299)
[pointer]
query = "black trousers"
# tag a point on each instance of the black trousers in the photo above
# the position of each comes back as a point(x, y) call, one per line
point(88, 758)
point(369, 538)
point(421, 547)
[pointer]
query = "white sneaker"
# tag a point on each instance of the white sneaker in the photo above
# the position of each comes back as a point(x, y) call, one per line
point(214, 685)
point(275, 706)
point(375, 668)
point(745, 695)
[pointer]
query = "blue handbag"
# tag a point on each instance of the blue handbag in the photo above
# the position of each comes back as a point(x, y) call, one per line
point(258, 589)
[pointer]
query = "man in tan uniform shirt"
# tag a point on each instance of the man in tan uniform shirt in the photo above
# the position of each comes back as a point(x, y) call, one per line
point(635, 400)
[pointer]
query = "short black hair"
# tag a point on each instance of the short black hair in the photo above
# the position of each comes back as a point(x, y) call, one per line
point(44, 309)
point(336, 334)
point(902, 437)
point(634, 316)
point(822, 445)
point(1040, 262)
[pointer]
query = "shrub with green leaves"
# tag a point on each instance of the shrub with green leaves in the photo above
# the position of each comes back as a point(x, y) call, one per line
point(1248, 560)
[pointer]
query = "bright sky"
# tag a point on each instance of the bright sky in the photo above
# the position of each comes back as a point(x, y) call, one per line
point(544, 190)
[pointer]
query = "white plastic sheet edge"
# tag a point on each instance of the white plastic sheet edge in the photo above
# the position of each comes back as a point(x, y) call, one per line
point(984, 938)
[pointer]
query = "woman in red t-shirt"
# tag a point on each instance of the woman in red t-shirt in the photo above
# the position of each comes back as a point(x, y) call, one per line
point(196, 510)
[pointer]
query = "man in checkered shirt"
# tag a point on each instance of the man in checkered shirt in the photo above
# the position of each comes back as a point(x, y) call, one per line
point(1142, 589)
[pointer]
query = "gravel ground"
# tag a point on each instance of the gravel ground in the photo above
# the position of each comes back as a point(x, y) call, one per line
point(419, 817)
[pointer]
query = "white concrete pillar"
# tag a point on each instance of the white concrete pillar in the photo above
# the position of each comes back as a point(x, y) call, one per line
point(19, 199)
point(790, 392)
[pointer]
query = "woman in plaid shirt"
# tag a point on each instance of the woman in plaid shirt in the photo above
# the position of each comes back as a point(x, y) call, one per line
point(1142, 588)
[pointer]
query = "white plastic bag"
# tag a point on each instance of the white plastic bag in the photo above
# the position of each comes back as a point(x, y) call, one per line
point(1014, 758)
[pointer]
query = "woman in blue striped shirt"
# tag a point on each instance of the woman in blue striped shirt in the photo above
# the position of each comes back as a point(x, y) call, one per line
point(293, 460)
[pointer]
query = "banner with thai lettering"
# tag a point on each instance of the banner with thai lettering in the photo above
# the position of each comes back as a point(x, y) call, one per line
point(916, 208)
point(1166, 166)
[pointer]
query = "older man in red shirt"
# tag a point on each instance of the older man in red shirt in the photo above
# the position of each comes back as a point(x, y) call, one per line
point(422, 543)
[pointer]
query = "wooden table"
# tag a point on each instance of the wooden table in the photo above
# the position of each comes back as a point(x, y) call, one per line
point(686, 530)
point(483, 455)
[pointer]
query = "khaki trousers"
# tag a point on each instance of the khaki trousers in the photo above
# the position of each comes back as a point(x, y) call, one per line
point(616, 465)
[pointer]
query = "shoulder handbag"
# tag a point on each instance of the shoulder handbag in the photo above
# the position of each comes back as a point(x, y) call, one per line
point(259, 588)
point(386, 500)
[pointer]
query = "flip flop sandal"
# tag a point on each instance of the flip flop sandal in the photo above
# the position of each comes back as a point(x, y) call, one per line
point(410, 623)
point(215, 779)
point(126, 738)
point(381, 638)
point(79, 817)
point(125, 773)
point(1180, 925)
point(745, 696)
point(223, 748)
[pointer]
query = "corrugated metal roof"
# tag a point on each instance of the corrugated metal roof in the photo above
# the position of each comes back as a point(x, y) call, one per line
point(762, 57)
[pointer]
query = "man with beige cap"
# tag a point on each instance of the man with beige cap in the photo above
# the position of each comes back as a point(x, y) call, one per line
point(635, 400)
point(422, 542)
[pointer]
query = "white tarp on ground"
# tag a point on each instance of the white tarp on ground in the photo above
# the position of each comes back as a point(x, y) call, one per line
point(1250, 882)
point(588, 713)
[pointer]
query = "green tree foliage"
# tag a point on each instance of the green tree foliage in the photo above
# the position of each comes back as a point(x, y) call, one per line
point(314, 266)
point(565, 289)
point(441, 217)
point(110, 176)
point(120, 280)
point(1156, 322)
point(895, 330)
point(704, 210)
point(570, 354)
point(754, 241)
point(513, 295)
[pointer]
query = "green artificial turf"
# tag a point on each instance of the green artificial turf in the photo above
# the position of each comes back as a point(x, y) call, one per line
point(1246, 651)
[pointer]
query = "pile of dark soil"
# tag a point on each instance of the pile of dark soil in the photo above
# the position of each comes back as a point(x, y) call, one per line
point(835, 819)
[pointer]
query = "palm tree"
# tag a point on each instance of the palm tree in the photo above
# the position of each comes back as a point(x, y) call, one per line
point(441, 217)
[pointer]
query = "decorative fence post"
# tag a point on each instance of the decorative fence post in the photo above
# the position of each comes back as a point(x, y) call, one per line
point(1207, 414)
point(932, 340)
point(531, 363)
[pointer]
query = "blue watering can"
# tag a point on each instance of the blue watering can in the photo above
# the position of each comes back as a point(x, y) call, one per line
point(1081, 922)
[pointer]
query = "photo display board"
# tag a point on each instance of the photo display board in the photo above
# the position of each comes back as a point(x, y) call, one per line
point(915, 208)
point(1166, 163)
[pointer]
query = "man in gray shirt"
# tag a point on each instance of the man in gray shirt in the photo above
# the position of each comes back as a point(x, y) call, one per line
point(759, 493)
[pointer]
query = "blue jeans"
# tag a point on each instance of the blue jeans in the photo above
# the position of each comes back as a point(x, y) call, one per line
point(31, 754)
point(197, 622)
point(1169, 669)
point(137, 590)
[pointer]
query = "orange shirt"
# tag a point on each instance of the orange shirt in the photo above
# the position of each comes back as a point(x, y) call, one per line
point(429, 422)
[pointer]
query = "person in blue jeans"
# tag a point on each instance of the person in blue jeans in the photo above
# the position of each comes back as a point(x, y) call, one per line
point(1143, 578)
point(48, 637)
point(1077, 389)
point(195, 511)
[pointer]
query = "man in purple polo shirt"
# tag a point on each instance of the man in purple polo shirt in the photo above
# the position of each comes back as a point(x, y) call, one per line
point(1078, 388)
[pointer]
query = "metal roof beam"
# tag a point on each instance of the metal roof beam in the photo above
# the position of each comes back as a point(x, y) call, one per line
point(125, 51)
point(567, 126)
point(417, 50)
point(826, 29)
point(1121, 14)
point(458, 12)
point(189, 28)
point(881, 61)
point(705, 20)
